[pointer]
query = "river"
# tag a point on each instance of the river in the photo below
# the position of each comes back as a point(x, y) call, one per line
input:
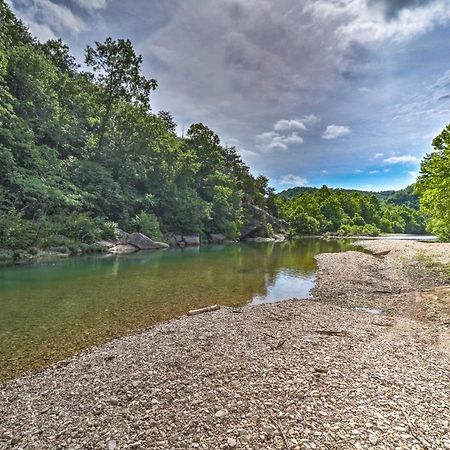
point(52, 310)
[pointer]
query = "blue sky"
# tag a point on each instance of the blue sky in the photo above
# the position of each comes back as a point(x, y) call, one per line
point(347, 93)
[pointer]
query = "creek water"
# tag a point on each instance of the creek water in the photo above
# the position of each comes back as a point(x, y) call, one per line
point(52, 310)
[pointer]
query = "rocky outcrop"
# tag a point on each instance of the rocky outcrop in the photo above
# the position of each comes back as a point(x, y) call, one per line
point(258, 219)
point(192, 240)
point(143, 242)
point(130, 243)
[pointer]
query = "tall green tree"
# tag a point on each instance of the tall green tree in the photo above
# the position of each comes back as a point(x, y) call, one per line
point(117, 70)
point(433, 185)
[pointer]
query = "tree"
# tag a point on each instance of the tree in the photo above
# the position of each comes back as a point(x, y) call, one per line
point(168, 120)
point(118, 73)
point(60, 55)
point(433, 186)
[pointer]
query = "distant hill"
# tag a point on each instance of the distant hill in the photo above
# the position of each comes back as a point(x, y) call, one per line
point(401, 197)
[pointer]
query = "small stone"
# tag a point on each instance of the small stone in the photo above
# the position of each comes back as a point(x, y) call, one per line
point(373, 439)
point(231, 442)
point(221, 414)
point(113, 401)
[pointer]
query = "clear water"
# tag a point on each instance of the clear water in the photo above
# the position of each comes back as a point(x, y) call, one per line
point(52, 310)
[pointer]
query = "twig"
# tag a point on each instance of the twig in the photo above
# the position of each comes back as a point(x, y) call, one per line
point(283, 436)
point(413, 432)
point(280, 344)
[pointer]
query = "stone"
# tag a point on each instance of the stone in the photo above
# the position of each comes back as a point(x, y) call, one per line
point(221, 414)
point(122, 237)
point(122, 249)
point(106, 244)
point(216, 238)
point(193, 240)
point(231, 442)
point(143, 242)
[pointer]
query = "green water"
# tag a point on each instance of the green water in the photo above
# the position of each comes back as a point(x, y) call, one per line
point(51, 310)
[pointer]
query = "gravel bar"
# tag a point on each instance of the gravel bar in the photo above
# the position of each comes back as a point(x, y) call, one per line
point(355, 369)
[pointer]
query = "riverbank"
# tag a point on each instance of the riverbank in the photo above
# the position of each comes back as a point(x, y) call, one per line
point(292, 375)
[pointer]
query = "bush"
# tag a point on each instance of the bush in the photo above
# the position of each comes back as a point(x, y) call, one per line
point(15, 231)
point(148, 224)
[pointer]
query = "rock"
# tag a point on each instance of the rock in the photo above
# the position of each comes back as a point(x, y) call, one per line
point(216, 238)
point(123, 249)
point(231, 442)
point(143, 242)
point(122, 237)
point(193, 239)
point(106, 244)
point(221, 414)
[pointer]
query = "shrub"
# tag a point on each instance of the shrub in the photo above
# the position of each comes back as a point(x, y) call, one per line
point(148, 224)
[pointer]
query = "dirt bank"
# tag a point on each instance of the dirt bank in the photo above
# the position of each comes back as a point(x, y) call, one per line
point(294, 375)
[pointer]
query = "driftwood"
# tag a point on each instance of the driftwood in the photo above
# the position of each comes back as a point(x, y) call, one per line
point(331, 332)
point(194, 312)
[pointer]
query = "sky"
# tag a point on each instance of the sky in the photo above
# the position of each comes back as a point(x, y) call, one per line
point(347, 93)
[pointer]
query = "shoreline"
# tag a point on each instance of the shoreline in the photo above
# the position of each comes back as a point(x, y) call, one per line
point(315, 374)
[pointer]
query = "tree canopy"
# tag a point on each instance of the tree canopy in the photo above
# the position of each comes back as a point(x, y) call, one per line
point(433, 186)
point(81, 152)
point(323, 210)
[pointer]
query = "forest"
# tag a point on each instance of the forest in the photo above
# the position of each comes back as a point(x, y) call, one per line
point(348, 212)
point(83, 154)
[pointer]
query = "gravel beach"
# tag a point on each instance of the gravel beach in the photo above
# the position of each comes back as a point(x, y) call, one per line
point(364, 366)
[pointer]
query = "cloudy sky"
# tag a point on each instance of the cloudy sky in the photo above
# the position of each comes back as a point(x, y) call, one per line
point(346, 93)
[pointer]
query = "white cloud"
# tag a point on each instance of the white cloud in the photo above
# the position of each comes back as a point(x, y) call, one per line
point(48, 20)
point(293, 180)
point(413, 174)
point(310, 120)
point(293, 124)
point(403, 159)
point(271, 140)
point(296, 124)
point(378, 155)
point(335, 131)
point(373, 172)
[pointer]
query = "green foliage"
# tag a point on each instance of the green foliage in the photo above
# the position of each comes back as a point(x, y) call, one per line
point(81, 152)
point(347, 212)
point(148, 224)
point(433, 186)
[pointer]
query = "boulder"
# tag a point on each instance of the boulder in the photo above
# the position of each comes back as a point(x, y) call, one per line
point(122, 249)
point(106, 244)
point(122, 237)
point(192, 240)
point(216, 238)
point(143, 242)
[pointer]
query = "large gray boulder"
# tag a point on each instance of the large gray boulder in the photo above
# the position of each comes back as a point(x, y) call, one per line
point(192, 240)
point(143, 242)
point(122, 249)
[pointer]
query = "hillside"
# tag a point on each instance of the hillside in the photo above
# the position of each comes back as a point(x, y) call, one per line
point(82, 153)
point(404, 196)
